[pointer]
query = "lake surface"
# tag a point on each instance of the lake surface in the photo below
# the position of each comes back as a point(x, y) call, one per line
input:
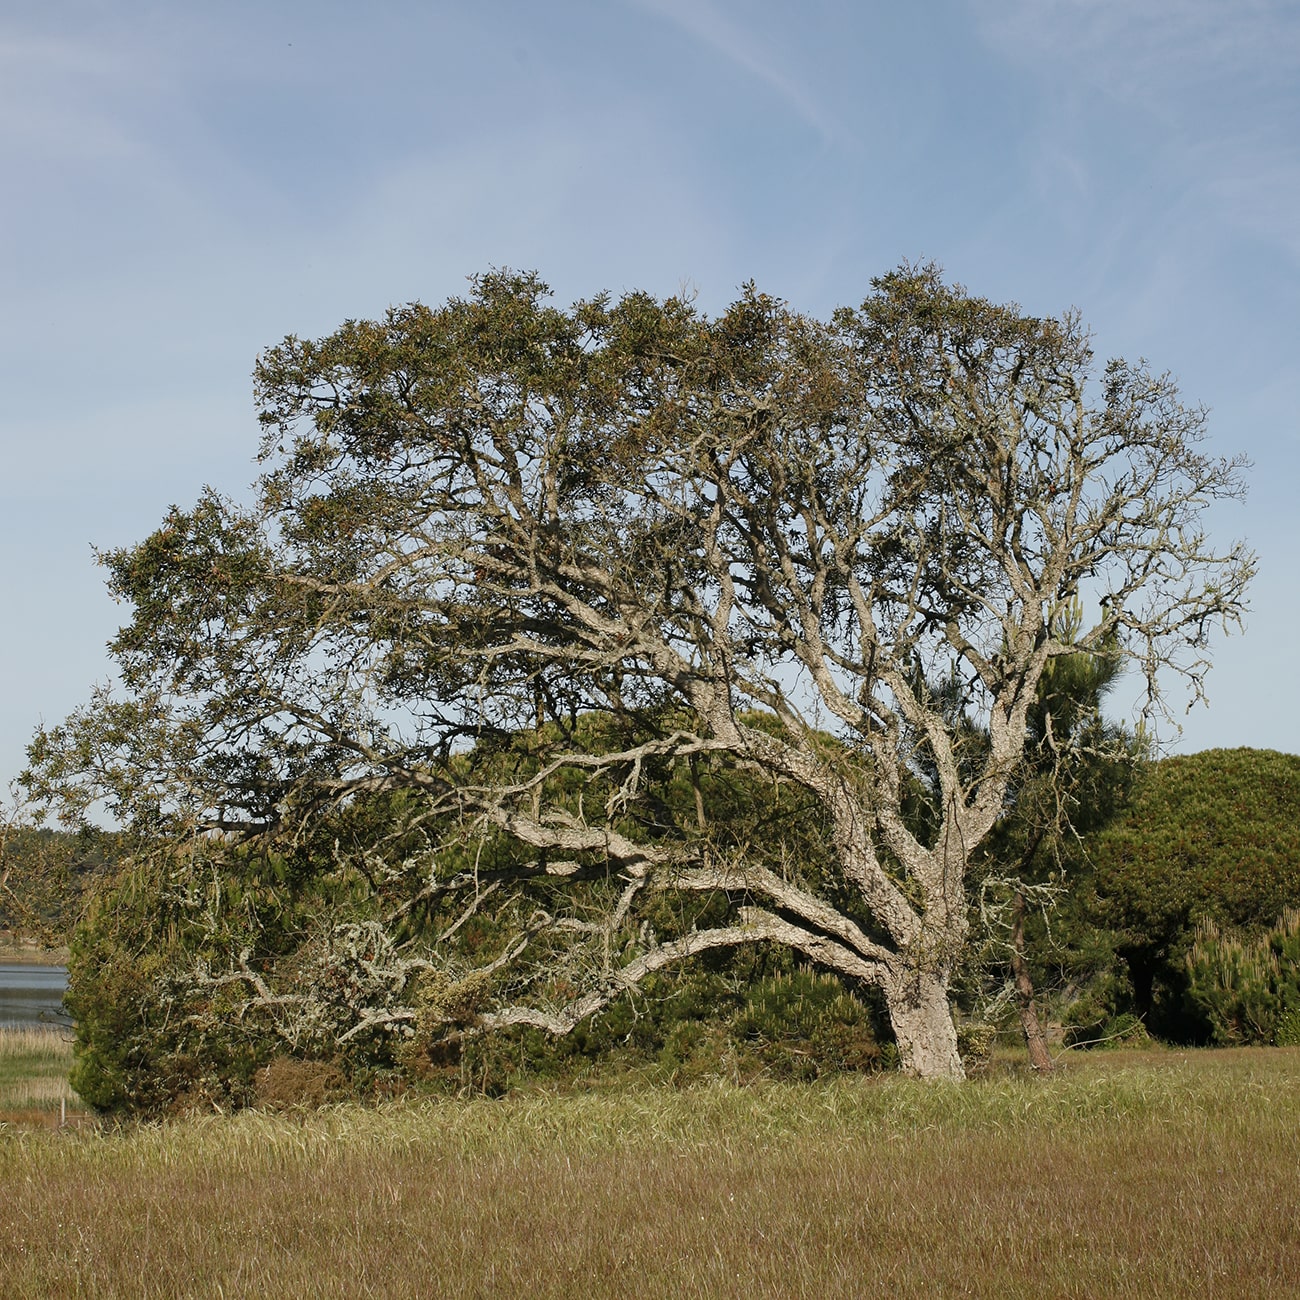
point(32, 994)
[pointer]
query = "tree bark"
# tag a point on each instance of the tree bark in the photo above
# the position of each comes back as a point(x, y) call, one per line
point(923, 1027)
point(1039, 1057)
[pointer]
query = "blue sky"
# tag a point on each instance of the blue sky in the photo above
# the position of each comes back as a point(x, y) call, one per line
point(185, 184)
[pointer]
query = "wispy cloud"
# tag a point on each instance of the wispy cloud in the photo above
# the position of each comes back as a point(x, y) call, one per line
point(1215, 87)
point(705, 23)
point(1240, 38)
point(51, 95)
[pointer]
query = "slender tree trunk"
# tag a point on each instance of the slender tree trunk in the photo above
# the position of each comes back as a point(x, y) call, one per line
point(1039, 1057)
point(923, 1027)
point(699, 795)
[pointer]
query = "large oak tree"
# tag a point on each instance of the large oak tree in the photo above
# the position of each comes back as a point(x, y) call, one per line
point(658, 542)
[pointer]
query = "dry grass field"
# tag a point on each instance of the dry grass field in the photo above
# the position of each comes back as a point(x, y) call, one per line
point(1142, 1175)
point(34, 1064)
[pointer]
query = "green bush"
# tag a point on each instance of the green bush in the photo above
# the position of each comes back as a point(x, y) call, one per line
point(728, 1019)
point(1093, 1024)
point(976, 1040)
point(145, 1041)
point(215, 971)
point(1210, 835)
point(804, 1025)
point(1287, 1033)
point(1206, 837)
point(156, 980)
point(165, 966)
point(1246, 989)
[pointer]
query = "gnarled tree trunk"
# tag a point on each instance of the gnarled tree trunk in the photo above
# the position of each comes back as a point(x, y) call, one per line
point(923, 1026)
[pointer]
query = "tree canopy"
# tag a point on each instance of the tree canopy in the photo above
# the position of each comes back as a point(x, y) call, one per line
point(511, 568)
point(46, 876)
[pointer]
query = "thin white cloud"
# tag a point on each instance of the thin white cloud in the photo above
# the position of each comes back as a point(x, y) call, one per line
point(1215, 87)
point(1110, 39)
point(51, 96)
point(703, 22)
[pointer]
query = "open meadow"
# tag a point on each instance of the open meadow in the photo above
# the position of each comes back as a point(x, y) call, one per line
point(1127, 1174)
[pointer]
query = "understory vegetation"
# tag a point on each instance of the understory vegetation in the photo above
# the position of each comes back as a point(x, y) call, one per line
point(1198, 870)
point(1167, 918)
point(154, 1036)
point(1247, 989)
point(1129, 1174)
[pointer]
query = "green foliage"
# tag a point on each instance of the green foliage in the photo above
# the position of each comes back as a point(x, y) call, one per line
point(227, 977)
point(137, 1048)
point(1209, 837)
point(508, 687)
point(163, 963)
point(976, 1039)
point(1246, 988)
point(804, 1025)
point(47, 877)
point(1092, 1020)
point(1039, 944)
point(737, 1017)
point(197, 972)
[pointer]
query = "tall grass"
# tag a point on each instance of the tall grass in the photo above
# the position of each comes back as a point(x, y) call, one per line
point(34, 1065)
point(1134, 1175)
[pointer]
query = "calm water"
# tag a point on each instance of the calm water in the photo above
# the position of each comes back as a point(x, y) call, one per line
point(32, 994)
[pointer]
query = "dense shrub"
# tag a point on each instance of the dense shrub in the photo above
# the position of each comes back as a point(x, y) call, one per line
point(225, 974)
point(1246, 989)
point(147, 1039)
point(1209, 837)
point(246, 979)
point(220, 972)
point(804, 1025)
point(740, 1016)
